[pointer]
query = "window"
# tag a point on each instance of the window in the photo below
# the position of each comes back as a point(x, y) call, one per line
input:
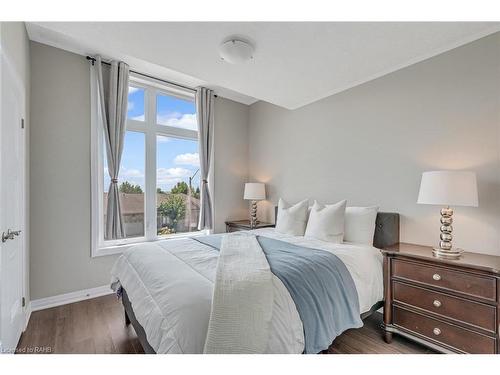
point(135, 109)
point(132, 183)
point(175, 112)
point(177, 185)
point(159, 179)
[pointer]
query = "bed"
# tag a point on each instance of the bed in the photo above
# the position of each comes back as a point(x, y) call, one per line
point(167, 288)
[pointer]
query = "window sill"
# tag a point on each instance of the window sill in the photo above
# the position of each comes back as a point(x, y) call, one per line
point(105, 250)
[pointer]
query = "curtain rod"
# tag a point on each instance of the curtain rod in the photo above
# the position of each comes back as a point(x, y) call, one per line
point(90, 58)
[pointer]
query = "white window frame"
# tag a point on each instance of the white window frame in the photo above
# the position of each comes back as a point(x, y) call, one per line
point(151, 129)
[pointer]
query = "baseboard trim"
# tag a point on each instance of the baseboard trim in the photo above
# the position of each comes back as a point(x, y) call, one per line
point(27, 316)
point(64, 299)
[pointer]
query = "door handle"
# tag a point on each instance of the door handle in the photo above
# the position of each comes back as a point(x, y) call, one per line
point(10, 235)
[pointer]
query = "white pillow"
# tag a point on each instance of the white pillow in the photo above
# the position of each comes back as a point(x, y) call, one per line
point(360, 224)
point(292, 220)
point(326, 222)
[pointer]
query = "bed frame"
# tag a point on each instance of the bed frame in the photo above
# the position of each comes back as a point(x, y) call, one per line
point(131, 319)
point(386, 234)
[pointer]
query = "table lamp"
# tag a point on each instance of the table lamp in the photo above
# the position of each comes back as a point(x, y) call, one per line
point(254, 191)
point(448, 188)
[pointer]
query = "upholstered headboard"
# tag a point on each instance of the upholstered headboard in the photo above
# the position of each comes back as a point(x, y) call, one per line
point(386, 228)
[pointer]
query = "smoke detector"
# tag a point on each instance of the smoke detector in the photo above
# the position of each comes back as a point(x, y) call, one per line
point(236, 51)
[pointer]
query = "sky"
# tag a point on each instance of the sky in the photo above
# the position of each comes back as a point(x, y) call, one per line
point(176, 160)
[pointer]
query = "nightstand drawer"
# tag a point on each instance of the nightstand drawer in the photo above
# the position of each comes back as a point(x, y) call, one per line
point(477, 314)
point(447, 279)
point(435, 330)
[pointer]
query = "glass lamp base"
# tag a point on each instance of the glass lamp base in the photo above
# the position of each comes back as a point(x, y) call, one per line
point(446, 249)
point(454, 253)
point(253, 215)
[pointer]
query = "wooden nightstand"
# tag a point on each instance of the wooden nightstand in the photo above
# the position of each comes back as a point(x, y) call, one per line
point(236, 225)
point(449, 305)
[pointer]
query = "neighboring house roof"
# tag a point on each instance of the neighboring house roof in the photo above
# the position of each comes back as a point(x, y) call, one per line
point(134, 203)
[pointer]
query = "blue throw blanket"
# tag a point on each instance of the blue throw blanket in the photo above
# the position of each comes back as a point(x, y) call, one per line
point(319, 284)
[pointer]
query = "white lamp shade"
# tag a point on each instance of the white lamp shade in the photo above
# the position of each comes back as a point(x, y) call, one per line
point(254, 191)
point(450, 188)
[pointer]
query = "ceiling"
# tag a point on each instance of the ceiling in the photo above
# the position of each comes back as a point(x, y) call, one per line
point(295, 63)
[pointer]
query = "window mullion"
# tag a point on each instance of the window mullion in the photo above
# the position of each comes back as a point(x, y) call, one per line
point(170, 131)
point(135, 126)
point(150, 209)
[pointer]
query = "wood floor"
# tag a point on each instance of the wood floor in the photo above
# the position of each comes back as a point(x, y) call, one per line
point(98, 326)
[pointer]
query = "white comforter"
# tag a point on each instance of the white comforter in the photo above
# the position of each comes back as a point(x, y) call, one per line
point(170, 286)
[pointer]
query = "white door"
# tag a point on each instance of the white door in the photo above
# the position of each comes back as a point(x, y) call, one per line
point(12, 190)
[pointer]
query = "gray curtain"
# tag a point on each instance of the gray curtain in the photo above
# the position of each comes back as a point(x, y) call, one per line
point(113, 100)
point(205, 117)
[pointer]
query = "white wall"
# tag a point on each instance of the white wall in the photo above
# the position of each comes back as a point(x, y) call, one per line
point(231, 161)
point(60, 173)
point(371, 143)
point(60, 176)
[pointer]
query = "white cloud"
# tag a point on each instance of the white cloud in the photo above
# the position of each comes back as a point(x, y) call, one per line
point(131, 90)
point(130, 106)
point(131, 173)
point(169, 176)
point(188, 159)
point(138, 118)
point(179, 120)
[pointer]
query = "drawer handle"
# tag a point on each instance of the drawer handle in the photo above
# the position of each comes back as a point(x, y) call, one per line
point(436, 303)
point(436, 331)
point(436, 276)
